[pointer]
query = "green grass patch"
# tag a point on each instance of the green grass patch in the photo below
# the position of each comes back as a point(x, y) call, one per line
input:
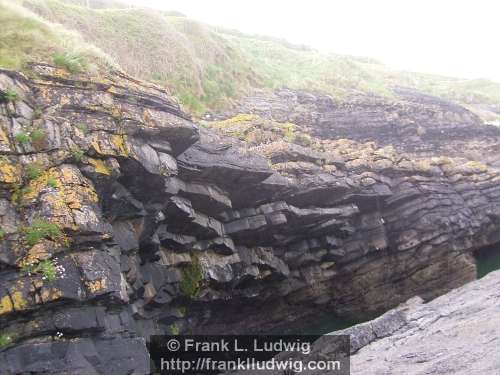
point(41, 229)
point(2, 234)
point(46, 268)
point(5, 340)
point(191, 278)
point(22, 138)
point(33, 171)
point(72, 62)
point(77, 153)
point(52, 182)
point(10, 96)
point(82, 127)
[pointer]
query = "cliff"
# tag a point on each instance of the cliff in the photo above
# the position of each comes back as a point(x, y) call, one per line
point(122, 218)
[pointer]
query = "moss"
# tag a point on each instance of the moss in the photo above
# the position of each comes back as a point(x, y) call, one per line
point(33, 171)
point(191, 278)
point(2, 234)
point(5, 340)
point(46, 268)
point(41, 229)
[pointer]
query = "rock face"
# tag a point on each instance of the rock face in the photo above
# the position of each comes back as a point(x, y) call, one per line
point(121, 218)
point(454, 334)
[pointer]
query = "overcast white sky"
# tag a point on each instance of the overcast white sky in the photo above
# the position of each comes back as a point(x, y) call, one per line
point(451, 37)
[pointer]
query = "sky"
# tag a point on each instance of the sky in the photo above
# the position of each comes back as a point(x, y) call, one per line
point(449, 37)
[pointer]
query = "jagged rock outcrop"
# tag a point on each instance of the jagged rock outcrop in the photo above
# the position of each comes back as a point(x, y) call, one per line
point(121, 218)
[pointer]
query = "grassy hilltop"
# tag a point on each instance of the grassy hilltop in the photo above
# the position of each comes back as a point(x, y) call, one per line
point(205, 67)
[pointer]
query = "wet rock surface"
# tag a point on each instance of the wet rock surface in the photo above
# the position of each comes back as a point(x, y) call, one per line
point(121, 218)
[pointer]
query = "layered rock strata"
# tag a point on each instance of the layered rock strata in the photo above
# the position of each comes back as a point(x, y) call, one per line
point(121, 218)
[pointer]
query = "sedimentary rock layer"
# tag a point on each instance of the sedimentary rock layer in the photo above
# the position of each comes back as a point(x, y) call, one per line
point(121, 218)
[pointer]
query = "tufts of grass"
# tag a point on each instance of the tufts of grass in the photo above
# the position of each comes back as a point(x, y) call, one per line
point(37, 114)
point(77, 153)
point(191, 279)
point(2, 234)
point(52, 182)
point(72, 62)
point(46, 268)
point(38, 138)
point(5, 340)
point(82, 127)
point(33, 171)
point(10, 96)
point(41, 229)
point(22, 138)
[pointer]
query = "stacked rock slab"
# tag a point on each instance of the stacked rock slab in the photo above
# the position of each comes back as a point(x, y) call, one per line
point(164, 227)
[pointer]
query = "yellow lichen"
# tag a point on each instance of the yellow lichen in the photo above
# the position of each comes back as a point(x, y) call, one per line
point(99, 166)
point(18, 301)
point(120, 142)
point(50, 294)
point(96, 285)
point(9, 174)
point(6, 305)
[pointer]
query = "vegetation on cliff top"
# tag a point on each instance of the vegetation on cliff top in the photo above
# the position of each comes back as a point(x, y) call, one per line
point(205, 67)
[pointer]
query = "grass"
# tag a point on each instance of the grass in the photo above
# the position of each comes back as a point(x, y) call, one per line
point(2, 234)
point(206, 68)
point(72, 62)
point(26, 37)
point(5, 340)
point(46, 268)
point(77, 154)
point(52, 182)
point(191, 279)
point(38, 138)
point(33, 171)
point(22, 138)
point(37, 114)
point(41, 229)
point(82, 127)
point(10, 96)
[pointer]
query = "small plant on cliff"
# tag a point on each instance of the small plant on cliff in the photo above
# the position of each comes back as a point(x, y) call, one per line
point(72, 62)
point(52, 182)
point(46, 268)
point(302, 139)
point(191, 279)
point(2, 234)
point(5, 340)
point(38, 138)
point(173, 329)
point(82, 127)
point(77, 153)
point(10, 96)
point(22, 138)
point(33, 170)
point(40, 229)
point(37, 113)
